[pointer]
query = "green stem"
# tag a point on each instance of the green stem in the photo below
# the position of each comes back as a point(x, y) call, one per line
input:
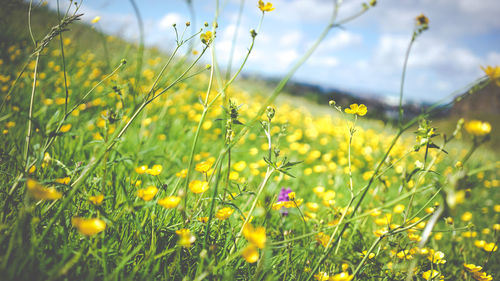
point(30, 114)
point(407, 55)
point(233, 43)
point(269, 172)
point(141, 44)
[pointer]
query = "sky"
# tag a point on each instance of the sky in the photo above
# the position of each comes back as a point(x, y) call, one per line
point(364, 56)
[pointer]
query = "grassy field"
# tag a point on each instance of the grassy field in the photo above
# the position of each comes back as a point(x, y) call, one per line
point(118, 165)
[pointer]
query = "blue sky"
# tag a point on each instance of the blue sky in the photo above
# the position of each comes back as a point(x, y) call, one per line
point(365, 56)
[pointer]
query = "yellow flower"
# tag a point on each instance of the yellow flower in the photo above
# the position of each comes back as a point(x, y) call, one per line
point(203, 219)
point(472, 268)
point(65, 128)
point(224, 213)
point(436, 257)
point(10, 124)
point(198, 186)
point(186, 238)
point(64, 180)
point(206, 37)
point(96, 19)
point(169, 202)
point(398, 209)
point(343, 276)
point(147, 194)
point(182, 174)
point(482, 276)
point(40, 192)
point(278, 205)
point(88, 226)
point(422, 20)
point(155, 170)
point(370, 256)
point(322, 238)
point(240, 166)
point(493, 73)
point(32, 169)
point(312, 206)
point(357, 109)
point(405, 254)
point(478, 128)
point(467, 216)
point(142, 169)
point(322, 276)
point(490, 247)
point(204, 167)
point(256, 236)
point(267, 7)
point(430, 274)
point(97, 199)
point(250, 254)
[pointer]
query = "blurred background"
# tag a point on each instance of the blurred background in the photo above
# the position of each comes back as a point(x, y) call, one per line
point(364, 57)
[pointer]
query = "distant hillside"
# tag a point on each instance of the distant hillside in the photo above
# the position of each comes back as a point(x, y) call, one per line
point(484, 103)
point(379, 108)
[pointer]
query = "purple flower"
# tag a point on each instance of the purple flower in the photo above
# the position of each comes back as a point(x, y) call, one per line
point(283, 196)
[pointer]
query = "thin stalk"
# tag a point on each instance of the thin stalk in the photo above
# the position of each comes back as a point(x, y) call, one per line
point(197, 133)
point(140, 53)
point(233, 42)
point(63, 63)
point(269, 172)
point(407, 55)
point(29, 24)
point(30, 114)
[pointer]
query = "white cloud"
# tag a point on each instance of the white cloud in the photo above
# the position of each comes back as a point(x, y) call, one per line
point(323, 61)
point(493, 58)
point(169, 19)
point(341, 39)
point(286, 57)
point(291, 38)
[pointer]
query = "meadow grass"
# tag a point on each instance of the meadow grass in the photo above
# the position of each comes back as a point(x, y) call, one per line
point(126, 164)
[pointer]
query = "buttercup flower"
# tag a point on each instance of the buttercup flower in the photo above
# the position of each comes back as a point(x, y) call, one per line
point(224, 213)
point(204, 167)
point(186, 238)
point(431, 275)
point(65, 128)
point(96, 19)
point(147, 194)
point(355, 109)
point(206, 37)
point(97, 199)
point(493, 73)
point(142, 169)
point(422, 20)
point(267, 7)
point(472, 268)
point(478, 128)
point(169, 202)
point(88, 227)
point(482, 276)
point(250, 254)
point(155, 170)
point(198, 186)
point(256, 236)
point(343, 276)
point(40, 192)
